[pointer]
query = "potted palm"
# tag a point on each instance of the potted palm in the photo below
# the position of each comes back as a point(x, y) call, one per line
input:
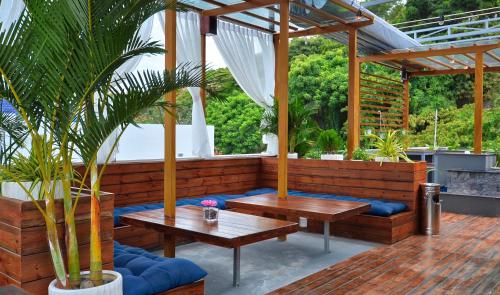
point(329, 142)
point(301, 126)
point(388, 148)
point(70, 101)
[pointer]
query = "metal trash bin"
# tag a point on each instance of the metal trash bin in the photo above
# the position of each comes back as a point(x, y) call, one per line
point(431, 209)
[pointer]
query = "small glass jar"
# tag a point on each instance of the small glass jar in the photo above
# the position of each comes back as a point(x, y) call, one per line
point(210, 214)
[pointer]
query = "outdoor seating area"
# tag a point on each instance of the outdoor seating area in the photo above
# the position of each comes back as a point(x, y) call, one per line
point(329, 201)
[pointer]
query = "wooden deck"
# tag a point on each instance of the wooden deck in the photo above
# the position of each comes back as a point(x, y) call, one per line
point(465, 259)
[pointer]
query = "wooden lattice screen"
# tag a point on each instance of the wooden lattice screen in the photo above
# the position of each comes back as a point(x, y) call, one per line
point(382, 103)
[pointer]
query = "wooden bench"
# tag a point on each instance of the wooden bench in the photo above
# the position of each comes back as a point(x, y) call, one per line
point(389, 181)
point(142, 182)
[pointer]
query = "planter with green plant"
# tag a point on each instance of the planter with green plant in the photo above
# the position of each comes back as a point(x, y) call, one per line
point(360, 154)
point(389, 148)
point(329, 143)
point(70, 100)
point(301, 126)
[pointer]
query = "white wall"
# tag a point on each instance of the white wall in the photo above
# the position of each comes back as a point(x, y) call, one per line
point(147, 142)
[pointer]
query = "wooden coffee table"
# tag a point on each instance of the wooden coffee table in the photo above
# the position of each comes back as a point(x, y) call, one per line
point(311, 208)
point(232, 230)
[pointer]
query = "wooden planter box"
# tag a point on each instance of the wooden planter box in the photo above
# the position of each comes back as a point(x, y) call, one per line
point(24, 255)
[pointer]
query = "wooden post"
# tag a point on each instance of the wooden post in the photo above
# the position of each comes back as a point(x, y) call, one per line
point(478, 104)
point(203, 93)
point(283, 100)
point(169, 179)
point(353, 100)
point(406, 103)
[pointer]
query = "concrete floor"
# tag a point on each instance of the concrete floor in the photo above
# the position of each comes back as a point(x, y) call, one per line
point(268, 265)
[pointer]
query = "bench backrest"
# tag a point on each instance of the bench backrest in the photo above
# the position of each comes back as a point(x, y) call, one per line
point(138, 182)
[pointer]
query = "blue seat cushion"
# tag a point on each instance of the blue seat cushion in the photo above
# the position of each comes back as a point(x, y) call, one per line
point(379, 207)
point(221, 204)
point(146, 274)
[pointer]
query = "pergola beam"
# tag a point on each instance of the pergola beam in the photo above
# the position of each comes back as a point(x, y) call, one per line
point(319, 30)
point(428, 53)
point(453, 72)
point(439, 63)
point(243, 6)
point(254, 15)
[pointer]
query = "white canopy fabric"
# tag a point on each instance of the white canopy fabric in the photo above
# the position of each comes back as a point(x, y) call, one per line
point(188, 46)
point(377, 37)
point(249, 55)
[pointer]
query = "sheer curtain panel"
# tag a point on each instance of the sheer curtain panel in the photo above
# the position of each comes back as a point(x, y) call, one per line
point(188, 48)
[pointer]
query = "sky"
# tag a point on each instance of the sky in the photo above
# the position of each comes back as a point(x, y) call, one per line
point(214, 59)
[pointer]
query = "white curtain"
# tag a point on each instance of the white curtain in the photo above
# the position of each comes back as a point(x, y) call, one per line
point(249, 55)
point(188, 48)
point(10, 10)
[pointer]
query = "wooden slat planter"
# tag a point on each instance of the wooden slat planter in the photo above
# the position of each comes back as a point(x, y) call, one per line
point(389, 181)
point(24, 255)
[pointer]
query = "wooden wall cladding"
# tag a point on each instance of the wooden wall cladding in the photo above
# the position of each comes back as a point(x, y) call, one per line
point(24, 255)
point(389, 181)
point(142, 182)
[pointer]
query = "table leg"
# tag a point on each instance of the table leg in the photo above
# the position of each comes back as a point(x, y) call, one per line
point(326, 235)
point(169, 246)
point(236, 267)
point(281, 217)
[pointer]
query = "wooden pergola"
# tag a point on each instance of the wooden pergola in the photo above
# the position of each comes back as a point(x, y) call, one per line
point(475, 58)
point(262, 15)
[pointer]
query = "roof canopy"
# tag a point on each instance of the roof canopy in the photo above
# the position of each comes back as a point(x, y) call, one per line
point(332, 18)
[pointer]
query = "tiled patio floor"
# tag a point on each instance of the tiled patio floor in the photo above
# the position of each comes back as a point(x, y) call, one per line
point(464, 259)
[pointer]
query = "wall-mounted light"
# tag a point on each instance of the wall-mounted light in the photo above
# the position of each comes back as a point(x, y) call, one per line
point(359, 14)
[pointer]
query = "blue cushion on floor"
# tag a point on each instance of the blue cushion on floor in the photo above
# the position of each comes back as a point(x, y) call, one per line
point(379, 207)
point(146, 274)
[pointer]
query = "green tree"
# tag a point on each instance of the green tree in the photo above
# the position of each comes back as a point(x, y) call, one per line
point(321, 78)
point(237, 124)
point(455, 128)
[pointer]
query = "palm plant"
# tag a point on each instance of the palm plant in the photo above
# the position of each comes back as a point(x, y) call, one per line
point(301, 125)
point(390, 147)
point(58, 68)
point(329, 141)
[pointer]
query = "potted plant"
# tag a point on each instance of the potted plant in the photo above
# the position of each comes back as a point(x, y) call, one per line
point(27, 173)
point(74, 107)
point(329, 142)
point(360, 154)
point(389, 148)
point(301, 126)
